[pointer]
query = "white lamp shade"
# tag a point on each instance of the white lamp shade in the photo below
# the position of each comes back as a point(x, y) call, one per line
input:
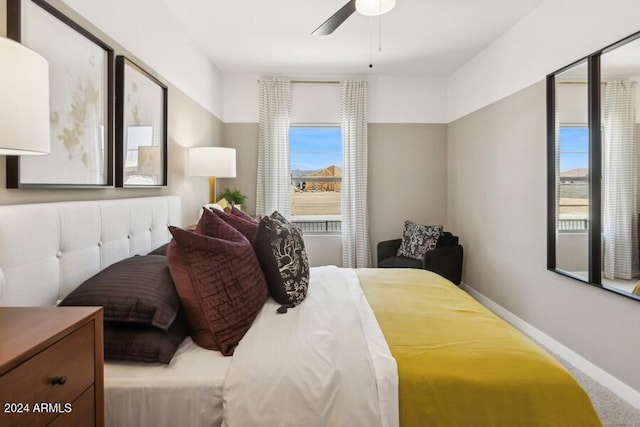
point(374, 7)
point(212, 161)
point(24, 100)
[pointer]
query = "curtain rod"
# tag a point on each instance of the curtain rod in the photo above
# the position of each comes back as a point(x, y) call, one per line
point(333, 82)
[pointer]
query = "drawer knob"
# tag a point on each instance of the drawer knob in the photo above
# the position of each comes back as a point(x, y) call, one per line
point(58, 380)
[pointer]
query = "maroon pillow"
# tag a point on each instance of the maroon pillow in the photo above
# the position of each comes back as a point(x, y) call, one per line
point(243, 215)
point(219, 282)
point(246, 227)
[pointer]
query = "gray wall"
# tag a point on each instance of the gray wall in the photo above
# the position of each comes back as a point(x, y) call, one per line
point(189, 124)
point(497, 202)
point(407, 177)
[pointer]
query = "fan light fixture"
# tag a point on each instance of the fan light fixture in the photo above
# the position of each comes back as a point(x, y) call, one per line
point(374, 7)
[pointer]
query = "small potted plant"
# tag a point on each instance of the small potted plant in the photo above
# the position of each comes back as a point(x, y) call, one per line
point(233, 196)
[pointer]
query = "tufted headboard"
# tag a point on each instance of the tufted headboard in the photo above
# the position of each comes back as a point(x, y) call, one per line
point(48, 249)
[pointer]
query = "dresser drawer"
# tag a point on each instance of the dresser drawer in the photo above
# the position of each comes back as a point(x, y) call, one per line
point(82, 413)
point(32, 382)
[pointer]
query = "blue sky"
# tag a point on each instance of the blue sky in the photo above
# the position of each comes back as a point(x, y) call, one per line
point(313, 148)
point(574, 148)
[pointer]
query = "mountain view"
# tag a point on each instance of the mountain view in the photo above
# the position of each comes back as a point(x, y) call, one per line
point(313, 196)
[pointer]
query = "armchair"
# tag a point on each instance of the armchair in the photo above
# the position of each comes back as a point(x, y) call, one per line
point(445, 259)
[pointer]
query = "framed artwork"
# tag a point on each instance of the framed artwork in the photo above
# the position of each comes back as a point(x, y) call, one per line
point(81, 100)
point(141, 127)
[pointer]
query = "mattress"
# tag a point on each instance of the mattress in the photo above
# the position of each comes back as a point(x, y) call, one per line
point(461, 365)
point(187, 392)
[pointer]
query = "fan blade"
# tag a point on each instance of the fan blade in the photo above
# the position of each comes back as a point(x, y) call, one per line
point(330, 25)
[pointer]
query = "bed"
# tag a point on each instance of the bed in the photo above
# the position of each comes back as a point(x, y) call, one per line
point(367, 347)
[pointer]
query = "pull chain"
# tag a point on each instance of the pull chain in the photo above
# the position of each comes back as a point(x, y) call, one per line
point(370, 44)
point(380, 26)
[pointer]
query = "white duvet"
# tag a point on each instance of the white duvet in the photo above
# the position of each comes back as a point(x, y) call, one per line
point(324, 363)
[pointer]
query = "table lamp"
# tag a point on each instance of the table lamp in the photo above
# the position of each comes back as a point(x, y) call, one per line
point(24, 101)
point(212, 162)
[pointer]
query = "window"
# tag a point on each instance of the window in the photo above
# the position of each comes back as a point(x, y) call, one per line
point(316, 176)
point(573, 194)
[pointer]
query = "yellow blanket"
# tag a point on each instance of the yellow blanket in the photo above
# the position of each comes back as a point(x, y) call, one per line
point(461, 365)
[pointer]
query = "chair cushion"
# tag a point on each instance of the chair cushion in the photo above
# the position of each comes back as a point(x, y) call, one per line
point(447, 239)
point(400, 262)
point(418, 239)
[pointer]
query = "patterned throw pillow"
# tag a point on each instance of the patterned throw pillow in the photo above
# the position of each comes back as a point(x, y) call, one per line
point(283, 258)
point(418, 239)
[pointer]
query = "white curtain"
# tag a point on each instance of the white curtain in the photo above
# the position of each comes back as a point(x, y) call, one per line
point(619, 179)
point(274, 175)
point(355, 223)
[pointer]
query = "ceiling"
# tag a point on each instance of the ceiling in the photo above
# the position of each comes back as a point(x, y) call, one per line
point(432, 37)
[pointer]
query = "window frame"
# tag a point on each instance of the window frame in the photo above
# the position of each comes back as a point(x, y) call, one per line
point(317, 224)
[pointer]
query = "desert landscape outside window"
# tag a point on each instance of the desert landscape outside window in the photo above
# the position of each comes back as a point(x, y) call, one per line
point(316, 176)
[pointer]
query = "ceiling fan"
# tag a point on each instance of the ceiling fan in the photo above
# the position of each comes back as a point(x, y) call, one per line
point(364, 7)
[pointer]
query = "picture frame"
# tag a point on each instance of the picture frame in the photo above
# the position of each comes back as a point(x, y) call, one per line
point(141, 127)
point(81, 100)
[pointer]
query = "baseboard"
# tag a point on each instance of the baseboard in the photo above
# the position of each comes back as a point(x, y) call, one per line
point(622, 390)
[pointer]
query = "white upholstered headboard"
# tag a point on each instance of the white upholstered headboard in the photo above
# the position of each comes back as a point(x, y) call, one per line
point(48, 249)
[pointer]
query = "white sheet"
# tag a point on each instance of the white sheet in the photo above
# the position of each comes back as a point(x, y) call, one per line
point(324, 363)
point(187, 392)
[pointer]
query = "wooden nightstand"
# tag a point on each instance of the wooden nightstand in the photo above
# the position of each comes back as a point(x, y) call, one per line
point(51, 366)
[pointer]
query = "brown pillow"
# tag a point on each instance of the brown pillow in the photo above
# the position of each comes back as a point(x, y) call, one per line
point(238, 212)
point(219, 282)
point(246, 227)
point(135, 290)
point(280, 249)
point(140, 343)
point(161, 250)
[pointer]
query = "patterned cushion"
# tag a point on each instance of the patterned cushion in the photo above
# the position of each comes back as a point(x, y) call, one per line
point(280, 250)
point(219, 282)
point(246, 227)
point(418, 239)
point(135, 290)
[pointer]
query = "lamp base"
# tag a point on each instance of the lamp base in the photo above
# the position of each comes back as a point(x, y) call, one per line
point(212, 189)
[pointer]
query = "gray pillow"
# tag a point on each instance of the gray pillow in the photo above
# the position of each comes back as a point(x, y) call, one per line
point(418, 239)
point(136, 290)
point(280, 249)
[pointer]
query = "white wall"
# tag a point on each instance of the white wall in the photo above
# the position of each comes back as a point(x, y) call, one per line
point(148, 30)
point(555, 34)
point(392, 99)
